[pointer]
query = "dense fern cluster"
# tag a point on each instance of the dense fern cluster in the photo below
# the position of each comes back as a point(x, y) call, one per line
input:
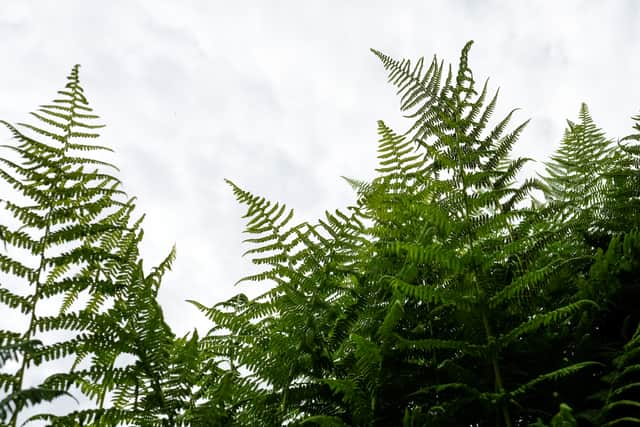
point(452, 293)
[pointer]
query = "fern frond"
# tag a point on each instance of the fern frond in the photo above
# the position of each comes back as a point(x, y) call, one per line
point(553, 376)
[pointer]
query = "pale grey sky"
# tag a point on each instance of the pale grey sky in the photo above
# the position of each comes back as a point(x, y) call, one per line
point(282, 97)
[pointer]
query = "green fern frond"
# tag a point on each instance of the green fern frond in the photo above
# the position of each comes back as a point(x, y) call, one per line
point(546, 319)
point(76, 225)
point(553, 376)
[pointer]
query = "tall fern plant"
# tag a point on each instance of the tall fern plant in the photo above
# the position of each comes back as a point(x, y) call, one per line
point(577, 179)
point(69, 251)
point(612, 280)
point(477, 247)
point(285, 339)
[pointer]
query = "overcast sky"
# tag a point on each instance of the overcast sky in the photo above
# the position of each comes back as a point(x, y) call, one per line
point(282, 97)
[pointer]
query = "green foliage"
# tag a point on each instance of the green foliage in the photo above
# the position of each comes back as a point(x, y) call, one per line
point(446, 296)
point(70, 242)
point(73, 225)
point(455, 280)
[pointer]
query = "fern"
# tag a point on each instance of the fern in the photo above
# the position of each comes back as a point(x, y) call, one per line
point(477, 229)
point(621, 206)
point(578, 178)
point(312, 268)
point(75, 225)
point(72, 211)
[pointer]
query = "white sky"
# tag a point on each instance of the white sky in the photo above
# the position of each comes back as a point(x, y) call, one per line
point(282, 97)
